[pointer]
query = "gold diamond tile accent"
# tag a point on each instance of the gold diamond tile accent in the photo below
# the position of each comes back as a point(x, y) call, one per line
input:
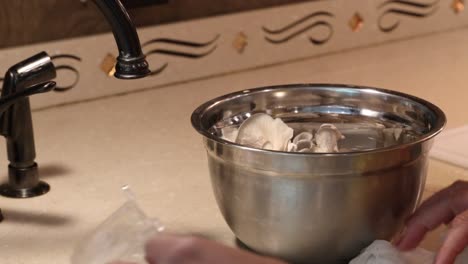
point(108, 64)
point(458, 6)
point(356, 22)
point(240, 42)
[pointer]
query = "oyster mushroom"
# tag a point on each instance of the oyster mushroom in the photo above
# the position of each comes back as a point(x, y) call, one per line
point(265, 132)
point(326, 139)
point(229, 133)
point(303, 136)
point(303, 142)
point(391, 136)
point(291, 147)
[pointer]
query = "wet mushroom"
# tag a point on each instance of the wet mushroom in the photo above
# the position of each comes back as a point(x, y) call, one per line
point(326, 139)
point(265, 132)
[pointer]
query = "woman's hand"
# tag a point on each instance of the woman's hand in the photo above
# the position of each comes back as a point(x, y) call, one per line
point(170, 249)
point(449, 206)
point(180, 250)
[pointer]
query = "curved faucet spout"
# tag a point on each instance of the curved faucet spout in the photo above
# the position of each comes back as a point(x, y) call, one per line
point(131, 62)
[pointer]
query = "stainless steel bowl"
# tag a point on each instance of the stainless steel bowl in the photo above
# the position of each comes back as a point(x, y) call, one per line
point(310, 207)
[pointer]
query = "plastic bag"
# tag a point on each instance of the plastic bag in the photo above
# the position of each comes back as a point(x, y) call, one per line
point(122, 236)
point(383, 252)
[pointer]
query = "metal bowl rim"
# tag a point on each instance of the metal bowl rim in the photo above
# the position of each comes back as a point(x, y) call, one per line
point(198, 112)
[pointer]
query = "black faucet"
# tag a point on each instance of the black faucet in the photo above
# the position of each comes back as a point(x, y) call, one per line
point(34, 75)
point(131, 62)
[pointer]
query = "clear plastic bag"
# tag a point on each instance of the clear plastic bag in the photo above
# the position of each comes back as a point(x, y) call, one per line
point(122, 236)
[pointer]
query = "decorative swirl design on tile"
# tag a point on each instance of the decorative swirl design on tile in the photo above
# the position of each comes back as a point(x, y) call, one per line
point(182, 42)
point(404, 8)
point(65, 67)
point(211, 45)
point(301, 26)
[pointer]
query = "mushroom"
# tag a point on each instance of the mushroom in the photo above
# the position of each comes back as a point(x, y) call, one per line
point(265, 132)
point(303, 136)
point(303, 142)
point(229, 133)
point(391, 136)
point(326, 139)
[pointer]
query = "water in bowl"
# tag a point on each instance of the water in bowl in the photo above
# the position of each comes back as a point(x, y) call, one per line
point(362, 133)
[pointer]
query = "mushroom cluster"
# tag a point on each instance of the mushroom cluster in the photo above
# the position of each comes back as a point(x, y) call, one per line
point(265, 132)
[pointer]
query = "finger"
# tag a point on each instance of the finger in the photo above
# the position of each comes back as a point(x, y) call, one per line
point(455, 242)
point(194, 250)
point(171, 249)
point(428, 216)
point(440, 208)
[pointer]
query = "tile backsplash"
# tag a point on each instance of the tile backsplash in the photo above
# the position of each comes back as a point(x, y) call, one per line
point(184, 51)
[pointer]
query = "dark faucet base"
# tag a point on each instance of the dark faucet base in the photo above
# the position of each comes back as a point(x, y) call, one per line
point(23, 183)
point(40, 189)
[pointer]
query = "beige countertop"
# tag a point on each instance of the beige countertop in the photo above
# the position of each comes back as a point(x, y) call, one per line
point(87, 151)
